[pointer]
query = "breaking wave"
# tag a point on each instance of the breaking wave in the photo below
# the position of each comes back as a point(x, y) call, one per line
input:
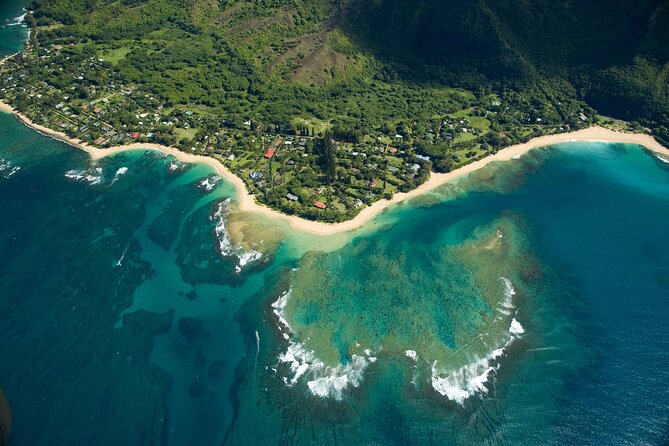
point(476, 377)
point(661, 158)
point(176, 166)
point(209, 183)
point(322, 380)
point(458, 385)
point(119, 172)
point(91, 176)
point(7, 169)
point(225, 246)
point(95, 175)
point(16, 21)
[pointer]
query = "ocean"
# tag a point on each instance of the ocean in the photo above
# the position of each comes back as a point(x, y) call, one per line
point(13, 31)
point(523, 304)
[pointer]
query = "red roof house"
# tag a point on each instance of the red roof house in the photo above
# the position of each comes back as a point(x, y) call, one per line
point(320, 205)
point(373, 183)
point(393, 150)
point(135, 135)
point(270, 153)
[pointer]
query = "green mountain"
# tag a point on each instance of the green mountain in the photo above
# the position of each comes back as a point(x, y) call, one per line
point(615, 53)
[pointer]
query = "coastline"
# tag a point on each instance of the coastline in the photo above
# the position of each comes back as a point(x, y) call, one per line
point(247, 203)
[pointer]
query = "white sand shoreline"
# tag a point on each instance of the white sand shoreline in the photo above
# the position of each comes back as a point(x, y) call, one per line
point(247, 201)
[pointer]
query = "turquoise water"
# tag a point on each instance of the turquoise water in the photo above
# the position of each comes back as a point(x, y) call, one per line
point(12, 29)
point(123, 322)
point(523, 305)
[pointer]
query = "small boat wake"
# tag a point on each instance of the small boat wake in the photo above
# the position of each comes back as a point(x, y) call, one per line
point(119, 263)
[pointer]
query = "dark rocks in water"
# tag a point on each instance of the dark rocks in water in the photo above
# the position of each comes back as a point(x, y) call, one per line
point(215, 369)
point(191, 295)
point(191, 328)
point(662, 277)
point(196, 389)
point(5, 419)
point(200, 360)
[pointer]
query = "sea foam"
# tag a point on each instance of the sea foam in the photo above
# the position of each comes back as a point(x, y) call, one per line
point(322, 380)
point(661, 158)
point(225, 245)
point(516, 328)
point(16, 21)
point(91, 176)
point(466, 381)
point(7, 169)
point(120, 171)
point(476, 377)
point(209, 183)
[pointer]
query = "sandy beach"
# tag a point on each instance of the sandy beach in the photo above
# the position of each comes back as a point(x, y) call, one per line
point(247, 201)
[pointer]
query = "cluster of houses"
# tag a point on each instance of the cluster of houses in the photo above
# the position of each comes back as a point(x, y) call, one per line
point(93, 118)
point(369, 168)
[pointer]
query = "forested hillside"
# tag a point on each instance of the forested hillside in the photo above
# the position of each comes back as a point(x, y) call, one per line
point(615, 54)
point(402, 87)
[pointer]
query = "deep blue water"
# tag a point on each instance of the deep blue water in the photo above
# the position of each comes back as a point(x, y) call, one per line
point(122, 323)
point(606, 225)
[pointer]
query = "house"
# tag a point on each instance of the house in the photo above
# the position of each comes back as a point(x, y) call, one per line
point(292, 197)
point(255, 175)
point(415, 167)
point(231, 158)
point(320, 205)
point(423, 157)
point(135, 135)
point(393, 169)
point(373, 183)
point(358, 203)
point(392, 150)
point(270, 153)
